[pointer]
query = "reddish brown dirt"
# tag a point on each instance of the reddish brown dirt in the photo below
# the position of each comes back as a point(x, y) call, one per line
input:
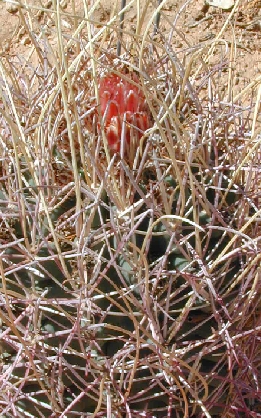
point(197, 25)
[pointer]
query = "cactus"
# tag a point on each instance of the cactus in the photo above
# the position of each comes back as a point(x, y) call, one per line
point(129, 239)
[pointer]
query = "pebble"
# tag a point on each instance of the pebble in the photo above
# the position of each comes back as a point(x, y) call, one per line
point(222, 4)
point(26, 41)
point(11, 8)
point(21, 32)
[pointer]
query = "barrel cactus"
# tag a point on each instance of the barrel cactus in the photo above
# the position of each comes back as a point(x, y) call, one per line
point(129, 235)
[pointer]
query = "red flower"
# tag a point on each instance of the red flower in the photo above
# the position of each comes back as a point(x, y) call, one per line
point(121, 100)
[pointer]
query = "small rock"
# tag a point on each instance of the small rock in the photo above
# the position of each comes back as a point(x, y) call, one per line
point(21, 32)
point(202, 11)
point(5, 47)
point(26, 41)
point(39, 14)
point(11, 8)
point(222, 4)
point(48, 4)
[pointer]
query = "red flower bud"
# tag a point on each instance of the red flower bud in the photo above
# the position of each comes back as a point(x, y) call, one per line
point(122, 101)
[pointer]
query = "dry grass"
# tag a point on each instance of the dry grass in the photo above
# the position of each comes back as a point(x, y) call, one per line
point(130, 285)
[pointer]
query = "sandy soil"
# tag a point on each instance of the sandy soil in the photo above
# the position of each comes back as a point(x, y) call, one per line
point(198, 24)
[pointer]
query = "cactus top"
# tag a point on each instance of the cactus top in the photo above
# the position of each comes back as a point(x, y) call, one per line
point(121, 100)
